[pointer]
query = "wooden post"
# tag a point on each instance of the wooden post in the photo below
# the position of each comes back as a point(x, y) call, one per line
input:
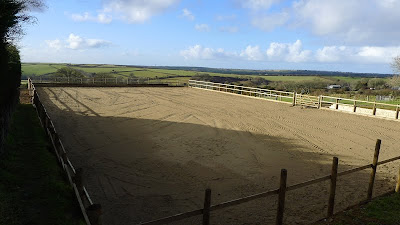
point(281, 197)
point(206, 209)
point(374, 109)
point(94, 214)
point(397, 112)
point(332, 193)
point(78, 180)
point(294, 98)
point(337, 103)
point(355, 106)
point(398, 182)
point(319, 101)
point(373, 171)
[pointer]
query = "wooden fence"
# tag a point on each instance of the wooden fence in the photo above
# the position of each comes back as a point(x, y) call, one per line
point(377, 109)
point(103, 81)
point(90, 211)
point(283, 188)
point(282, 96)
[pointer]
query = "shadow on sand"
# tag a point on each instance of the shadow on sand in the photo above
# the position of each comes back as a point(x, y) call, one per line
point(141, 169)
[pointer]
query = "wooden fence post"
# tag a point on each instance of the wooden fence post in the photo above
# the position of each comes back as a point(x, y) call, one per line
point(398, 182)
point(94, 214)
point(397, 111)
point(374, 109)
point(294, 98)
point(319, 101)
point(355, 106)
point(332, 193)
point(337, 103)
point(373, 172)
point(207, 205)
point(281, 197)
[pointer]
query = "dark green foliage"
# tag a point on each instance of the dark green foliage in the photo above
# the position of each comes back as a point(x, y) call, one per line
point(69, 72)
point(32, 188)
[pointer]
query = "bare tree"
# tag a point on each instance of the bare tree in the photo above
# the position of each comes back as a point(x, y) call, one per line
point(395, 80)
point(396, 64)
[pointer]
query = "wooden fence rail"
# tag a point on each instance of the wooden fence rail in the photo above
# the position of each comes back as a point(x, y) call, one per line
point(281, 96)
point(281, 192)
point(104, 81)
point(91, 212)
point(391, 111)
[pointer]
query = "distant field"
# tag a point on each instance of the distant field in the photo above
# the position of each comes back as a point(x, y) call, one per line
point(40, 69)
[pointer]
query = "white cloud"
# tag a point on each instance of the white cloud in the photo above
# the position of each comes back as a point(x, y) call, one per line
point(137, 11)
point(288, 52)
point(252, 53)
point(353, 21)
point(187, 14)
point(269, 22)
point(101, 18)
point(257, 4)
point(331, 53)
point(202, 27)
point(104, 18)
point(76, 42)
point(229, 29)
point(294, 53)
point(363, 55)
point(199, 52)
point(54, 44)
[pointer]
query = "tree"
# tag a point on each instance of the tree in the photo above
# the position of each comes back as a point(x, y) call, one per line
point(395, 80)
point(13, 14)
point(396, 65)
point(69, 72)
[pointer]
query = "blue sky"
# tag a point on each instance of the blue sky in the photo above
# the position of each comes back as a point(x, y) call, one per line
point(336, 35)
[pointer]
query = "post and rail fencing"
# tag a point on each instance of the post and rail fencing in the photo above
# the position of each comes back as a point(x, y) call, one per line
point(283, 188)
point(281, 96)
point(90, 211)
point(106, 81)
point(379, 110)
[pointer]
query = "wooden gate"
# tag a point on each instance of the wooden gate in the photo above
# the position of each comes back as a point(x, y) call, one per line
point(308, 100)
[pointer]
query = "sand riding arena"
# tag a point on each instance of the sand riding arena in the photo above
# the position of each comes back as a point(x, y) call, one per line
point(150, 152)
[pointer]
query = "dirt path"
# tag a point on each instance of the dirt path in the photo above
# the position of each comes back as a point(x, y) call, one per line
point(151, 152)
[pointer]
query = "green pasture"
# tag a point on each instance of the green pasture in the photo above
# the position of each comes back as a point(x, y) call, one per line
point(37, 69)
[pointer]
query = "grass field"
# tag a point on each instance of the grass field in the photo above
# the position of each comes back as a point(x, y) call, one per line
point(38, 69)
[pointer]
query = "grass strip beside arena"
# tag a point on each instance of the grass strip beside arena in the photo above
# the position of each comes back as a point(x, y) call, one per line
point(33, 189)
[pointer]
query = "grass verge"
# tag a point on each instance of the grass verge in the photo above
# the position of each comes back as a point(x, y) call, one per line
point(381, 211)
point(33, 189)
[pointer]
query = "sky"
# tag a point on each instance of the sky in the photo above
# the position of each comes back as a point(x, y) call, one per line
point(334, 35)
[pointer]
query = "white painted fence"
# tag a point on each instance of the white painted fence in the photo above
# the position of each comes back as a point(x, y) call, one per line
point(377, 109)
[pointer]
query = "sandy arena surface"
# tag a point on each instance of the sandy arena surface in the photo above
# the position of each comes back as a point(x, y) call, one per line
point(151, 152)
